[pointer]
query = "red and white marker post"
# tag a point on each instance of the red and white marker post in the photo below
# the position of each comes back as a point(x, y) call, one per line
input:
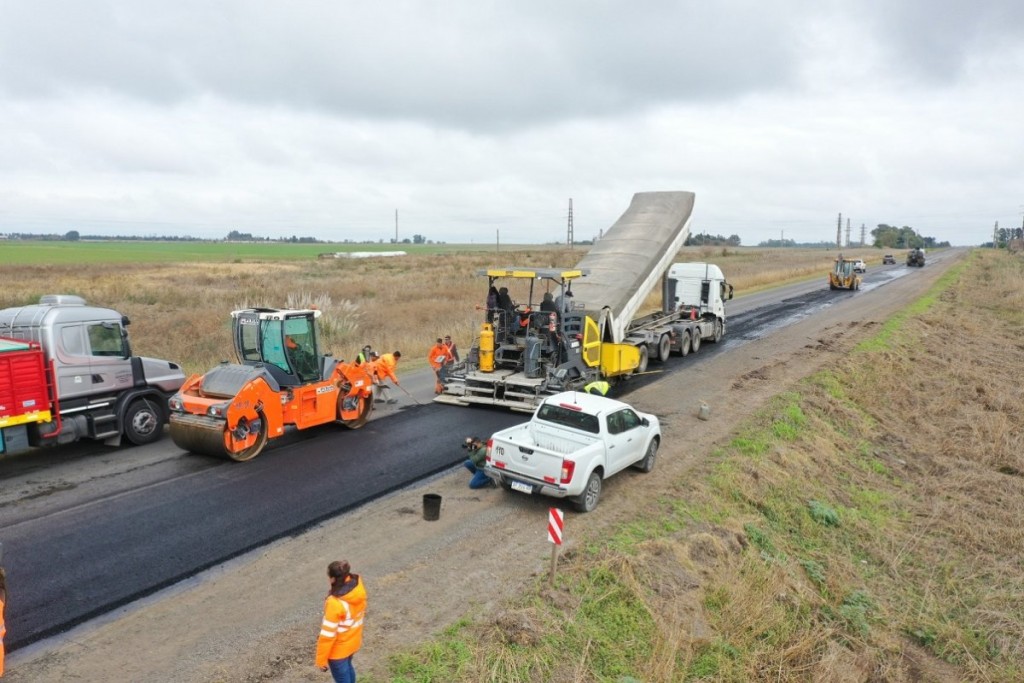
point(555, 525)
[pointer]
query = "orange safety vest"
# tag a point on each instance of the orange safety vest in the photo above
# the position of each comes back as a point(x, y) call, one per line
point(382, 370)
point(440, 355)
point(341, 632)
point(386, 364)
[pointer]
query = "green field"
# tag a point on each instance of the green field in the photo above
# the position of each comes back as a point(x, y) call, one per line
point(27, 252)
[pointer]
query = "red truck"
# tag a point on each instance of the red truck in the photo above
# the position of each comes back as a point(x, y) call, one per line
point(26, 391)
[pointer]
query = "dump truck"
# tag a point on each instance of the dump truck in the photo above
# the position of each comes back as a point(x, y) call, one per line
point(282, 380)
point(843, 275)
point(574, 326)
point(915, 258)
point(67, 372)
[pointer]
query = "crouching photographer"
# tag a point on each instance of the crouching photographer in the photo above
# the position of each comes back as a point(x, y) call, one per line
point(475, 463)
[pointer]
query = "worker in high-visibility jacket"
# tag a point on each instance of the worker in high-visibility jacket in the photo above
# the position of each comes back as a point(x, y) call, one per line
point(439, 357)
point(380, 372)
point(341, 631)
point(599, 387)
point(3, 629)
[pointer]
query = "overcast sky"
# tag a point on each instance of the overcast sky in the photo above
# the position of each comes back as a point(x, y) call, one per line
point(477, 118)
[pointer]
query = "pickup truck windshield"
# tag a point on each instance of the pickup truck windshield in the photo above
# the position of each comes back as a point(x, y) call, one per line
point(569, 418)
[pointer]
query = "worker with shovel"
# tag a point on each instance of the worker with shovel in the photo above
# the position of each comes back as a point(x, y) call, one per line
point(382, 368)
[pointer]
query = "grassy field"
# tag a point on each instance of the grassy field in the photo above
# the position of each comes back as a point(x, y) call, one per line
point(19, 252)
point(864, 527)
point(179, 295)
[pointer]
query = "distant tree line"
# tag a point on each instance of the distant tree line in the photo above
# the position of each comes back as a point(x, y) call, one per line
point(703, 238)
point(794, 243)
point(233, 236)
point(891, 237)
point(883, 237)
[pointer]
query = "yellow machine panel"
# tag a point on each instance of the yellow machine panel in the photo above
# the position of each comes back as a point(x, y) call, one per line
point(592, 353)
point(619, 359)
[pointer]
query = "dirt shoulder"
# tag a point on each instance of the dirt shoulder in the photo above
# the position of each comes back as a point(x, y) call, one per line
point(257, 617)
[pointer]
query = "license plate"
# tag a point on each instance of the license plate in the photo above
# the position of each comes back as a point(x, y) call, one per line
point(521, 487)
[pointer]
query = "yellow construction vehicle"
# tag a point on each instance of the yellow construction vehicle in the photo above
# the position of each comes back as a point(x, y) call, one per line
point(843, 275)
point(282, 379)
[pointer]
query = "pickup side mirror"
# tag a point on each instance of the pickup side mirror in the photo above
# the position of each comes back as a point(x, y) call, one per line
point(645, 422)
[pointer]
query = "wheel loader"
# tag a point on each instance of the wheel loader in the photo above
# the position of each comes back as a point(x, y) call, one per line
point(281, 379)
point(843, 276)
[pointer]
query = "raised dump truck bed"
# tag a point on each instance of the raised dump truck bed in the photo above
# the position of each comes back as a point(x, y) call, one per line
point(628, 262)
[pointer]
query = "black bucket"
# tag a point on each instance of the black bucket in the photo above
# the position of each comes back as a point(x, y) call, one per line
point(431, 506)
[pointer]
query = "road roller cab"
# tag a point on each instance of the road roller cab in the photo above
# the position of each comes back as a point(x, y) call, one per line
point(282, 379)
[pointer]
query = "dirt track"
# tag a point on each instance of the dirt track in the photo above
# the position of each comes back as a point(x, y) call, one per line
point(257, 618)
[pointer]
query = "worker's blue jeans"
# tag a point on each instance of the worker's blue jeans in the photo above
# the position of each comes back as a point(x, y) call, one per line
point(342, 670)
point(479, 480)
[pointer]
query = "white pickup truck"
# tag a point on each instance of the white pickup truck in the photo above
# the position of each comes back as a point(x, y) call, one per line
point(573, 442)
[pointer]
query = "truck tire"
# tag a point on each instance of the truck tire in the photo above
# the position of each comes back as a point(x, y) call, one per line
point(719, 331)
point(647, 464)
point(642, 366)
point(587, 501)
point(143, 422)
point(664, 348)
point(695, 342)
point(684, 345)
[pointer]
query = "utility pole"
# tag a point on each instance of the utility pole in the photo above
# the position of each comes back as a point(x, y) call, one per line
point(839, 232)
point(995, 236)
point(568, 236)
point(863, 232)
point(782, 238)
point(848, 242)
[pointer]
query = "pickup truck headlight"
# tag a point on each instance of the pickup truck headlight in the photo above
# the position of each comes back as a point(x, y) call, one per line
point(175, 404)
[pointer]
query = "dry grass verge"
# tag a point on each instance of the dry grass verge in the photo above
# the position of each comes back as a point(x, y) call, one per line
point(865, 527)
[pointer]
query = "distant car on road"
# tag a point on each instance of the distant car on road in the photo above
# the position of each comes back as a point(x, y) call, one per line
point(888, 260)
point(859, 266)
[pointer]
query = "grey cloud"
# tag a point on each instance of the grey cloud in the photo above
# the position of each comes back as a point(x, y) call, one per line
point(474, 65)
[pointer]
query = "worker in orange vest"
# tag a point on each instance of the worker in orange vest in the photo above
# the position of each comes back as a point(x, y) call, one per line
point(341, 631)
point(439, 357)
point(382, 371)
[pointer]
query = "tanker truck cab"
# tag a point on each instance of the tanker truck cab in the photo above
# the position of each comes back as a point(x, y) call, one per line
point(96, 388)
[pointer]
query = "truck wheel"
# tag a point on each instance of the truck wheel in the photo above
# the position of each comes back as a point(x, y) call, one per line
point(587, 501)
point(143, 422)
point(664, 348)
point(684, 345)
point(642, 367)
point(647, 464)
point(719, 331)
point(695, 341)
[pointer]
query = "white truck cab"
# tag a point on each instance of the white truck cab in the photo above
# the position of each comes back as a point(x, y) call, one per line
point(698, 285)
